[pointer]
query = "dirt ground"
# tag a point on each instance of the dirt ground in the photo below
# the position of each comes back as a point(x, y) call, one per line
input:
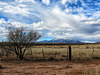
point(16, 67)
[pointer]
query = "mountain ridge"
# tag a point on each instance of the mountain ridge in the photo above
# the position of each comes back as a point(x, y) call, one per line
point(60, 41)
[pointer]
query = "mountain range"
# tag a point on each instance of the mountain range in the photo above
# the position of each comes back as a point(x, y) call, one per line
point(60, 41)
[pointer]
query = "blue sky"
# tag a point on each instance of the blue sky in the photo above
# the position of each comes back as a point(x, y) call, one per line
point(68, 19)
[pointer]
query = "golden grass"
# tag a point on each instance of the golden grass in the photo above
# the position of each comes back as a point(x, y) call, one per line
point(79, 52)
point(59, 52)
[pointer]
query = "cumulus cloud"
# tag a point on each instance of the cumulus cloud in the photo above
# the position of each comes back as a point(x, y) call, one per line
point(71, 1)
point(96, 14)
point(46, 2)
point(70, 26)
point(64, 1)
point(21, 1)
point(51, 21)
point(14, 9)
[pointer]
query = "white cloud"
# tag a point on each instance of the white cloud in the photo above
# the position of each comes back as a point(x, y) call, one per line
point(2, 3)
point(71, 1)
point(96, 14)
point(38, 26)
point(59, 24)
point(2, 21)
point(52, 22)
point(46, 2)
point(20, 1)
point(20, 9)
point(64, 2)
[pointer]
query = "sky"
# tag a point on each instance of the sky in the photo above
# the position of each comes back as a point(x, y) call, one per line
point(67, 19)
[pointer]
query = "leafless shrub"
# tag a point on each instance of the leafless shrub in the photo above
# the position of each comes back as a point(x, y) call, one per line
point(20, 40)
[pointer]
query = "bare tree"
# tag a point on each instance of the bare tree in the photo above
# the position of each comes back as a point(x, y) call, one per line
point(20, 40)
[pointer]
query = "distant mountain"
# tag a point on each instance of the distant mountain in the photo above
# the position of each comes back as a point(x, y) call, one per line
point(60, 41)
point(97, 42)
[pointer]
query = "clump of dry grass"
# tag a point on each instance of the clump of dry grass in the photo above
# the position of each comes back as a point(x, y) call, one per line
point(91, 71)
point(68, 66)
point(81, 56)
point(94, 71)
point(1, 67)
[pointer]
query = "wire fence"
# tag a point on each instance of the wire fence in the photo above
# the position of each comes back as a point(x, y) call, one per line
point(43, 53)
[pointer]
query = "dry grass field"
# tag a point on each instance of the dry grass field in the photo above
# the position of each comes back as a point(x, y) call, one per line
point(79, 52)
point(85, 61)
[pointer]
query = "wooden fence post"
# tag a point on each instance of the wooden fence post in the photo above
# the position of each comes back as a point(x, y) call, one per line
point(92, 53)
point(43, 55)
point(69, 53)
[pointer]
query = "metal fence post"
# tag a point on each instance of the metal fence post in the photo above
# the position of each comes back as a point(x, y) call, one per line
point(69, 53)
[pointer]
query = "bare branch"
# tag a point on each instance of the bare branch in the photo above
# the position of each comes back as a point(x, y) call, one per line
point(18, 38)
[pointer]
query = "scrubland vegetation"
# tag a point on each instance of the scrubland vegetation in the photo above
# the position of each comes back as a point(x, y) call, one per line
point(60, 52)
point(85, 58)
point(21, 55)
